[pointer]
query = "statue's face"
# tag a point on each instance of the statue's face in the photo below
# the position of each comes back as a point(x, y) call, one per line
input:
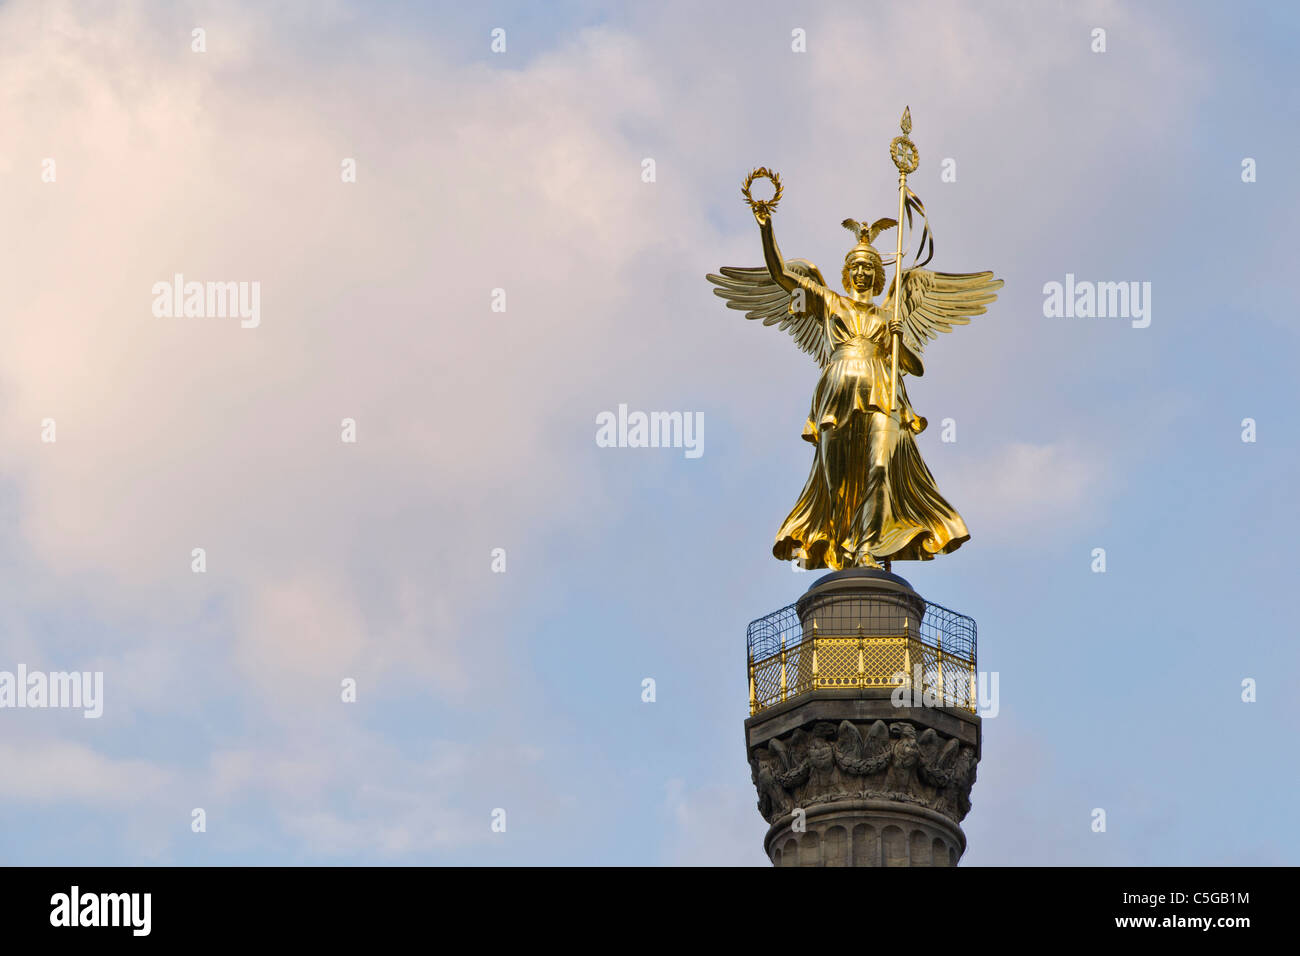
point(862, 274)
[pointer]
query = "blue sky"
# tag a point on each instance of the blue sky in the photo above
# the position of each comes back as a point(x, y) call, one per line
point(522, 171)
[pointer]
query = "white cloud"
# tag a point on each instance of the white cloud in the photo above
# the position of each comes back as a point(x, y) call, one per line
point(49, 770)
point(1022, 486)
point(328, 560)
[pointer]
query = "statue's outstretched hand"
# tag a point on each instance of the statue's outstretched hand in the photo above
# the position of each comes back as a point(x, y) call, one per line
point(895, 325)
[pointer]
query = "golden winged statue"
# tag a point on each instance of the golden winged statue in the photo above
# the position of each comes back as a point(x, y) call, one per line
point(869, 496)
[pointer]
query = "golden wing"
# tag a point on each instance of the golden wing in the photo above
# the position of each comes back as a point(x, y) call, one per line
point(934, 302)
point(754, 292)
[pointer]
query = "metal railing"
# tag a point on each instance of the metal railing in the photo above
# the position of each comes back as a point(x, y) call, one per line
point(923, 647)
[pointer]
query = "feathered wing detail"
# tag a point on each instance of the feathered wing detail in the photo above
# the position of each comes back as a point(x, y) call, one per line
point(782, 754)
point(858, 757)
point(938, 762)
point(879, 226)
point(928, 743)
point(934, 302)
point(795, 773)
point(868, 233)
point(877, 740)
point(754, 292)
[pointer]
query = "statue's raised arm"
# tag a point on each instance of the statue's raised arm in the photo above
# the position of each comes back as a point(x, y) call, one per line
point(790, 294)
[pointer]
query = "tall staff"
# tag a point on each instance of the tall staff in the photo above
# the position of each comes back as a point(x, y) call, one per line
point(903, 151)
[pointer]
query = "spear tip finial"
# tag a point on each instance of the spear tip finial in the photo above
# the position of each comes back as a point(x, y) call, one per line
point(905, 124)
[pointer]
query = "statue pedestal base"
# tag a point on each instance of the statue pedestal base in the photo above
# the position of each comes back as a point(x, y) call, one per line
point(864, 740)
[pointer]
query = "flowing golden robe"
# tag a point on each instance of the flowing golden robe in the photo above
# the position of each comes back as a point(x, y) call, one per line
point(869, 495)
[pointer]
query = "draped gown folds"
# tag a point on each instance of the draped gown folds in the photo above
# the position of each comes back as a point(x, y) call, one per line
point(869, 495)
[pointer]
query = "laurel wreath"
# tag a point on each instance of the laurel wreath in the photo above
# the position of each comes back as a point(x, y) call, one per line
point(765, 206)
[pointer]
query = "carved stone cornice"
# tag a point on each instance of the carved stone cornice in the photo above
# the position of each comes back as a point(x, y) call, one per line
point(899, 761)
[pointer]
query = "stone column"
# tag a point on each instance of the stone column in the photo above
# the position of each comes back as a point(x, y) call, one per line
point(845, 775)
